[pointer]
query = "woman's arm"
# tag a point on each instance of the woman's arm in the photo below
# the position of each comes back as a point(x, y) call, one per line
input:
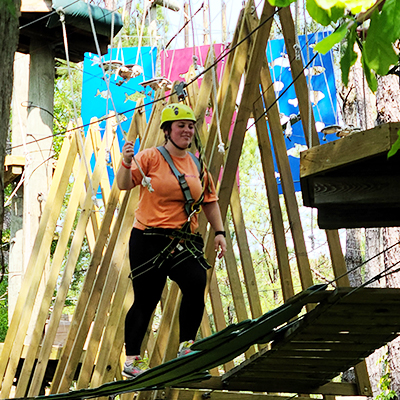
point(124, 177)
point(213, 214)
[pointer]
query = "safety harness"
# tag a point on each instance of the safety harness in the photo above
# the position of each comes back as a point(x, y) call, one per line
point(191, 206)
point(184, 243)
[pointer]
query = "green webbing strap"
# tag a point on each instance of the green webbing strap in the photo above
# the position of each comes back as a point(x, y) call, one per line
point(181, 178)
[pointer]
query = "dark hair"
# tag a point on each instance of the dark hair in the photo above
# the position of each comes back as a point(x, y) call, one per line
point(166, 127)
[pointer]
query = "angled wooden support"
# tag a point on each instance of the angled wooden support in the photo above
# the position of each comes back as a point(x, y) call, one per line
point(250, 94)
point(245, 254)
point(273, 202)
point(69, 268)
point(53, 276)
point(94, 283)
point(286, 179)
point(299, 79)
point(226, 82)
point(23, 308)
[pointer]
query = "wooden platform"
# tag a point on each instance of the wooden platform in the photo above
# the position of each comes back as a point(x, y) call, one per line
point(13, 168)
point(339, 333)
point(33, 24)
point(351, 182)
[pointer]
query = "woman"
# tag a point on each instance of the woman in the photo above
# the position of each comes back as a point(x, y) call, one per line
point(163, 241)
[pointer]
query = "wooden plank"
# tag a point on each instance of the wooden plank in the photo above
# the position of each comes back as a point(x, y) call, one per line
point(249, 95)
point(101, 320)
point(105, 356)
point(53, 276)
point(292, 209)
point(204, 96)
point(336, 254)
point(245, 255)
point(217, 383)
point(188, 394)
point(343, 152)
point(299, 79)
point(356, 190)
point(235, 284)
point(23, 308)
point(337, 217)
point(36, 6)
point(94, 281)
point(91, 291)
point(274, 205)
point(227, 83)
point(111, 366)
point(334, 347)
point(69, 268)
point(332, 332)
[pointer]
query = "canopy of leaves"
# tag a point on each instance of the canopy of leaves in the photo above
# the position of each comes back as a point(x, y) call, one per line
point(377, 46)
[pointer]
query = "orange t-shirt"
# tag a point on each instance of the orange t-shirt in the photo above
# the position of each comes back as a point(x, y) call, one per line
point(164, 208)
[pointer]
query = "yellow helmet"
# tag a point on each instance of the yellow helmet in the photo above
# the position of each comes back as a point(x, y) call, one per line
point(176, 112)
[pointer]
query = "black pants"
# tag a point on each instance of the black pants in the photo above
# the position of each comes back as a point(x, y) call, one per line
point(190, 276)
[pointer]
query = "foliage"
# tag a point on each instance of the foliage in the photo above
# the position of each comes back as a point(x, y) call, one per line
point(65, 101)
point(10, 6)
point(384, 381)
point(395, 147)
point(3, 309)
point(377, 47)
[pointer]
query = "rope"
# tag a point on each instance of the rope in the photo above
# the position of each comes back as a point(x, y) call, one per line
point(218, 59)
point(146, 181)
point(221, 145)
point(61, 13)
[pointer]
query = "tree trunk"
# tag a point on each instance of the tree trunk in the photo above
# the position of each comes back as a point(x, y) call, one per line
point(388, 106)
point(353, 256)
point(9, 14)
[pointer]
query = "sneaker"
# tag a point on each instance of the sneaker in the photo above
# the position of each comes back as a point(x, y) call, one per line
point(134, 369)
point(184, 348)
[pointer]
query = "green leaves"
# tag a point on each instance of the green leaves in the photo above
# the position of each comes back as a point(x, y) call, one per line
point(281, 3)
point(349, 56)
point(383, 31)
point(395, 147)
point(323, 16)
point(326, 44)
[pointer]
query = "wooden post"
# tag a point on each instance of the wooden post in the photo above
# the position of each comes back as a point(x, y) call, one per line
point(38, 169)
point(20, 115)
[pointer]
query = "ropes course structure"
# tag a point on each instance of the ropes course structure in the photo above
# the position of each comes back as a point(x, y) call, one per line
point(255, 352)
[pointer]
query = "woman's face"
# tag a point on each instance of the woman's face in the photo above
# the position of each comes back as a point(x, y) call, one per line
point(182, 132)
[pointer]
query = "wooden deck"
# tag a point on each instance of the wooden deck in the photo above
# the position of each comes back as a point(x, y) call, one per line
point(338, 334)
point(351, 181)
point(33, 23)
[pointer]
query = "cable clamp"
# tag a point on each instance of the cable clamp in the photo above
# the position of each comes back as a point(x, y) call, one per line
point(180, 91)
point(297, 51)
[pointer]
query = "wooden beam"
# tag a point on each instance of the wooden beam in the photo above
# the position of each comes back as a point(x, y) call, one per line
point(53, 276)
point(286, 179)
point(245, 255)
point(349, 150)
point(216, 383)
point(69, 269)
point(94, 282)
point(36, 6)
point(13, 343)
point(299, 79)
point(274, 205)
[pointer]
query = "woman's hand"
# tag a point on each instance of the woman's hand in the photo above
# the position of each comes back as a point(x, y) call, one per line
point(220, 245)
point(124, 177)
point(127, 152)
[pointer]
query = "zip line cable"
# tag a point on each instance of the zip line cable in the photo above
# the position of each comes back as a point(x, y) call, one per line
point(61, 14)
point(146, 181)
point(219, 59)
